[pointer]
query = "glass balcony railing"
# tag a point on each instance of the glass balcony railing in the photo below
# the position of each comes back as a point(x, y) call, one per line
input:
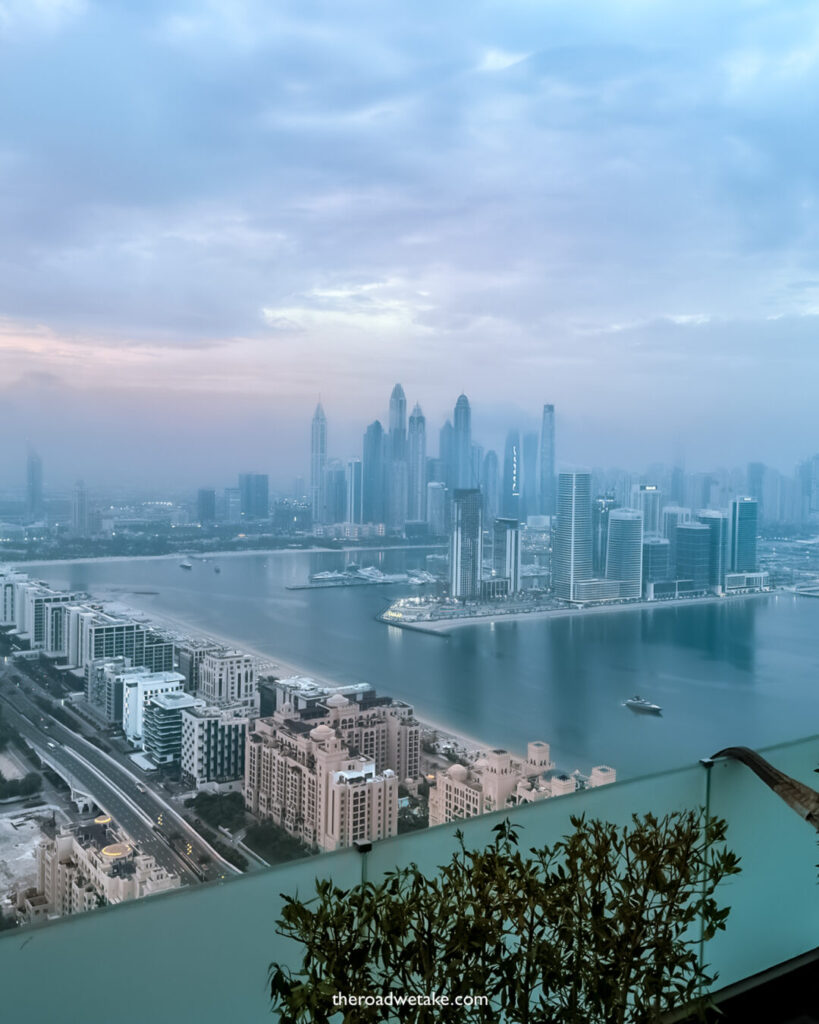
point(203, 954)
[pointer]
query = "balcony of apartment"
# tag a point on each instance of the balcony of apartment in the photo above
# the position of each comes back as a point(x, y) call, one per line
point(202, 954)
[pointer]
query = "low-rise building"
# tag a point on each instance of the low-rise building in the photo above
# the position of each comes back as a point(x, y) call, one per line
point(139, 686)
point(227, 677)
point(162, 725)
point(89, 865)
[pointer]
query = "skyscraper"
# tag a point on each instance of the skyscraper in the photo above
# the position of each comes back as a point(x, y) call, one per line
point(233, 505)
point(396, 466)
point(646, 499)
point(354, 491)
point(672, 517)
point(373, 474)
point(572, 558)
point(206, 506)
point(656, 560)
point(694, 554)
point(335, 492)
point(254, 495)
point(437, 508)
point(417, 445)
point(547, 461)
point(624, 551)
point(530, 499)
point(318, 465)
point(446, 454)
point(463, 444)
point(744, 514)
point(719, 550)
point(601, 507)
point(510, 498)
point(506, 552)
point(466, 545)
point(490, 486)
point(79, 510)
point(35, 509)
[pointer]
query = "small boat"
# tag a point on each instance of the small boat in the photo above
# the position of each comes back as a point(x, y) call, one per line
point(641, 704)
point(216, 568)
point(185, 565)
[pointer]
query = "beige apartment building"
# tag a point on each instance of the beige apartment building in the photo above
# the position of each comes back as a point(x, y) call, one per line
point(497, 780)
point(86, 866)
point(305, 778)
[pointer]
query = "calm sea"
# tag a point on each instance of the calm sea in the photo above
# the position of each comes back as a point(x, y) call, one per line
point(740, 673)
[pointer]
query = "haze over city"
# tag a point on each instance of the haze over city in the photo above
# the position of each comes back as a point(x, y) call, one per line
point(216, 213)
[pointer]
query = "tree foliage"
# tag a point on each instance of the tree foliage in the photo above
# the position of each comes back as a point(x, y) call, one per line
point(603, 927)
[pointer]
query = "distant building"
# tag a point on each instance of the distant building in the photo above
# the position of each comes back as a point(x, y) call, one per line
point(718, 554)
point(437, 508)
point(646, 498)
point(506, 552)
point(512, 477)
point(417, 453)
point(35, 507)
point(79, 510)
point(530, 497)
point(624, 557)
point(743, 531)
point(206, 506)
point(693, 543)
point(462, 437)
point(466, 545)
point(354, 491)
point(373, 463)
point(490, 486)
point(254, 495)
point(656, 560)
point(318, 465)
point(572, 557)
point(233, 505)
point(601, 506)
point(547, 461)
point(335, 493)
point(672, 517)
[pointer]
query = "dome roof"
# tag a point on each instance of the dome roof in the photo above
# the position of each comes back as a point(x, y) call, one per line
point(458, 772)
point(321, 733)
point(338, 700)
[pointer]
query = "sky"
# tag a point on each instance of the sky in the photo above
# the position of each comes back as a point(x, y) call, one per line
point(213, 213)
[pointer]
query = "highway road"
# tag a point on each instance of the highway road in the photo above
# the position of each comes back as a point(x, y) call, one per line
point(112, 786)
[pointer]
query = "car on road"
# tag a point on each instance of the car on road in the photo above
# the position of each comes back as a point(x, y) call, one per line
point(140, 787)
point(52, 745)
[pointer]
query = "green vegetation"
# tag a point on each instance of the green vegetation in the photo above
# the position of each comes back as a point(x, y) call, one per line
point(10, 788)
point(236, 858)
point(603, 927)
point(225, 809)
point(273, 844)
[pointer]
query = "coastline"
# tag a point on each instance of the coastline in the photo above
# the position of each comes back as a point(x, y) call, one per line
point(443, 626)
point(211, 555)
point(287, 669)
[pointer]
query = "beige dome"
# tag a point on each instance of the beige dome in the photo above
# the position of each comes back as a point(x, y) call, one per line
point(338, 700)
point(321, 733)
point(458, 772)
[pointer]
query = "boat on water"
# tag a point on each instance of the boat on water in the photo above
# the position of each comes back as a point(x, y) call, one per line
point(641, 704)
point(185, 565)
point(216, 568)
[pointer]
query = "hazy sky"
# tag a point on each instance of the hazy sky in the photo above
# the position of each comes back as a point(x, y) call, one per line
point(212, 212)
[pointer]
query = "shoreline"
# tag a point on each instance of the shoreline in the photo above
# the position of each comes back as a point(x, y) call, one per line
point(443, 626)
point(212, 555)
point(288, 669)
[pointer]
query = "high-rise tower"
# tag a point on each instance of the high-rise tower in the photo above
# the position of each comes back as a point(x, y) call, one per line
point(490, 486)
point(79, 510)
point(462, 424)
point(373, 474)
point(466, 545)
point(417, 451)
point(396, 470)
point(510, 497)
point(35, 508)
point(547, 461)
point(624, 551)
point(506, 551)
point(744, 515)
point(572, 558)
point(318, 465)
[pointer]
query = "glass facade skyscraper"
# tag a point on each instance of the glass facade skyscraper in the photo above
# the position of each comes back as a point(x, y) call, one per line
point(547, 461)
point(318, 465)
point(572, 556)
point(466, 545)
point(744, 518)
point(624, 551)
